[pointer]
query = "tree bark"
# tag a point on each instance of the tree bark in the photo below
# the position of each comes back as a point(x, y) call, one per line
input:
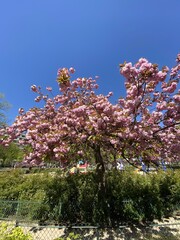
point(102, 186)
point(100, 169)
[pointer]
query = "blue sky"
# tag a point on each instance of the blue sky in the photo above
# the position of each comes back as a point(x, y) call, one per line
point(39, 36)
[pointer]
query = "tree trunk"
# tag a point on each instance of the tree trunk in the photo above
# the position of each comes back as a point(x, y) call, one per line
point(102, 186)
point(100, 169)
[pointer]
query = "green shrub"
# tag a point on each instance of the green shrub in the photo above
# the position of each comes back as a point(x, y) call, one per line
point(7, 233)
point(74, 199)
point(10, 184)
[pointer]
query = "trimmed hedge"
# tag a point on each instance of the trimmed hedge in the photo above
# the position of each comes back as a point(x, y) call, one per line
point(73, 199)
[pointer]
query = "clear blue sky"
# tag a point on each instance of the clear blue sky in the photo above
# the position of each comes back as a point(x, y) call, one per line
point(94, 36)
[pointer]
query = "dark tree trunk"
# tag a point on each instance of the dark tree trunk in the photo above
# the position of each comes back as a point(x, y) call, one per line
point(102, 186)
point(100, 169)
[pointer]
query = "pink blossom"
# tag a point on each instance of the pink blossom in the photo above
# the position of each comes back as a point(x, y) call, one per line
point(34, 88)
point(21, 110)
point(176, 98)
point(72, 70)
point(37, 99)
point(78, 119)
point(161, 75)
point(80, 152)
point(49, 89)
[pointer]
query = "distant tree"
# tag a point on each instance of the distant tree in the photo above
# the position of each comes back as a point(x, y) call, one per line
point(10, 155)
point(4, 105)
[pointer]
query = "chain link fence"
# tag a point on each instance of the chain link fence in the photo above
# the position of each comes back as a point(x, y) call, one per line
point(25, 214)
point(19, 210)
point(160, 231)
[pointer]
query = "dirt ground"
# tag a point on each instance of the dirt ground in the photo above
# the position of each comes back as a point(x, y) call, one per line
point(168, 228)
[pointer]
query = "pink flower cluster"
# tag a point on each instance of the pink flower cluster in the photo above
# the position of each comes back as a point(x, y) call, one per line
point(144, 124)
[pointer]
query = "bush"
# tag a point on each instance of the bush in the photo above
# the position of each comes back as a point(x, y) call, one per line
point(73, 199)
point(6, 233)
point(134, 197)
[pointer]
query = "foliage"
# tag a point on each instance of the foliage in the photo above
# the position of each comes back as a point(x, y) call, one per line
point(9, 155)
point(10, 183)
point(8, 233)
point(78, 122)
point(3, 107)
point(130, 197)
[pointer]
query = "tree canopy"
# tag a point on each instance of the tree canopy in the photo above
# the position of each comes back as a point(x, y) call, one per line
point(143, 125)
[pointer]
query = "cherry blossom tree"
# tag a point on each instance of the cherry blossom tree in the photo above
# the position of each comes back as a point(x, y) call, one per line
point(143, 125)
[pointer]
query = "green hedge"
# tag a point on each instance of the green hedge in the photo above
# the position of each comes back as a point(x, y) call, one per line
point(73, 199)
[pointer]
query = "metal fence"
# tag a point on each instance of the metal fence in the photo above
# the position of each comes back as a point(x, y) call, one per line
point(24, 214)
point(163, 231)
point(19, 211)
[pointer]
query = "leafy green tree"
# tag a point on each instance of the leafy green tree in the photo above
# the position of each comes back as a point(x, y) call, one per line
point(9, 155)
point(4, 106)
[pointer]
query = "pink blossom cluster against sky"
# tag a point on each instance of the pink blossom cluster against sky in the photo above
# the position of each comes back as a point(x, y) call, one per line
point(144, 124)
point(39, 37)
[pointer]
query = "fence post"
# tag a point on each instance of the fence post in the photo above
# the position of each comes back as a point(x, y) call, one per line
point(17, 212)
point(60, 207)
point(97, 233)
